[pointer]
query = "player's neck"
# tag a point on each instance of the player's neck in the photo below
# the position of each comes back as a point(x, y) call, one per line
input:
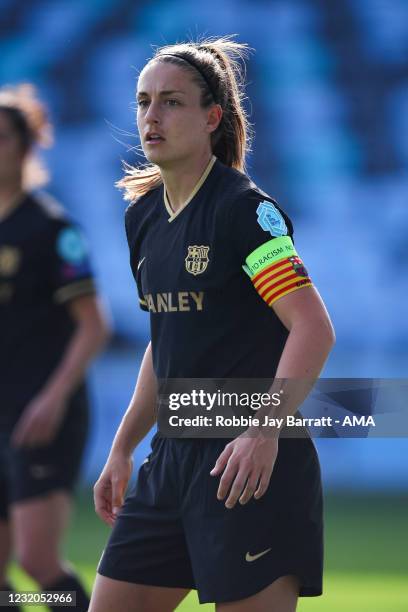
point(11, 194)
point(179, 181)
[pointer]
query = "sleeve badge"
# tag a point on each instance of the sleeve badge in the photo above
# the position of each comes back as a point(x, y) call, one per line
point(271, 220)
point(71, 246)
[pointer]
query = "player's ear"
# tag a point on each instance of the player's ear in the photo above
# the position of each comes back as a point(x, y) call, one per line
point(214, 117)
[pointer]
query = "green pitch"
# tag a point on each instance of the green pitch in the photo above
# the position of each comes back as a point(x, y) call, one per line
point(366, 556)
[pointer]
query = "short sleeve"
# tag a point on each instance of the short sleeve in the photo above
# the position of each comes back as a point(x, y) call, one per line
point(142, 302)
point(136, 262)
point(71, 274)
point(262, 236)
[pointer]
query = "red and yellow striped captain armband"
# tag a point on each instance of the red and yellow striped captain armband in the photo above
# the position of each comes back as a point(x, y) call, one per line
point(276, 269)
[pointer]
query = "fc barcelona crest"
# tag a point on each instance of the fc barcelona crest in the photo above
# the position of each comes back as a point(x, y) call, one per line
point(10, 258)
point(197, 259)
point(298, 266)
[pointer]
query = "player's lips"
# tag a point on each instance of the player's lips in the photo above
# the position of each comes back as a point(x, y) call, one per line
point(153, 138)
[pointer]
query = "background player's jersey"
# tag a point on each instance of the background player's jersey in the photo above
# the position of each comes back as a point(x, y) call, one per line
point(43, 264)
point(196, 271)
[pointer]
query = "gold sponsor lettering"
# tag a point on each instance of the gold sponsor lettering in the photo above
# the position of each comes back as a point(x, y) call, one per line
point(170, 300)
point(183, 301)
point(150, 303)
point(198, 298)
point(162, 302)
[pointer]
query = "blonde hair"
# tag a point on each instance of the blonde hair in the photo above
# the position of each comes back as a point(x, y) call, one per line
point(216, 66)
point(29, 118)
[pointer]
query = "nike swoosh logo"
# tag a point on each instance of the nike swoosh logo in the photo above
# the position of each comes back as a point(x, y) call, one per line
point(140, 262)
point(250, 558)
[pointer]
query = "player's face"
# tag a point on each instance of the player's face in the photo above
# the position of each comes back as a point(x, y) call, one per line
point(11, 153)
point(172, 124)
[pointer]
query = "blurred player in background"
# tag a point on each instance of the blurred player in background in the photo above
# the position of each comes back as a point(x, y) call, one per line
point(51, 325)
point(195, 222)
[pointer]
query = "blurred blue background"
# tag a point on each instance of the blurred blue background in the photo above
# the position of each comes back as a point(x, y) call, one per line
point(328, 90)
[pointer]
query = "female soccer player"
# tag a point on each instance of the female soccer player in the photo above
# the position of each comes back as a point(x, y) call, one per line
point(51, 325)
point(195, 221)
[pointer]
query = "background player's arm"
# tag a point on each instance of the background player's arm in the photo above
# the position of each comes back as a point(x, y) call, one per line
point(138, 420)
point(43, 415)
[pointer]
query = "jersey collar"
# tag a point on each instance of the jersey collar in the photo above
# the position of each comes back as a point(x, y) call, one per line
point(171, 213)
point(17, 201)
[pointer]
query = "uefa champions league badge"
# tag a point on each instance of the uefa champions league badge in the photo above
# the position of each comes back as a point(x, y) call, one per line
point(271, 220)
point(71, 246)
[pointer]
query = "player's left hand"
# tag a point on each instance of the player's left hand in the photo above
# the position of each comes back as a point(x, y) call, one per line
point(39, 423)
point(247, 464)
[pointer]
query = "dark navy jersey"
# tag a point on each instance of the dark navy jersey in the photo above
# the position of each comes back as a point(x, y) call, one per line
point(209, 273)
point(43, 265)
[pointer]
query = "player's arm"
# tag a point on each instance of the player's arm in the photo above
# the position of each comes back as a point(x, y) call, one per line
point(310, 339)
point(248, 461)
point(281, 280)
point(44, 413)
point(311, 334)
point(138, 420)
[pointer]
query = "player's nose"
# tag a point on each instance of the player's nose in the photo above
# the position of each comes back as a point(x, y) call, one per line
point(152, 114)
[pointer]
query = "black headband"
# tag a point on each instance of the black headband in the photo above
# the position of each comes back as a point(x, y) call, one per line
point(194, 65)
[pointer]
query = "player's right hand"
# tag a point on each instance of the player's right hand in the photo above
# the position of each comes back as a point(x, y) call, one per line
point(110, 488)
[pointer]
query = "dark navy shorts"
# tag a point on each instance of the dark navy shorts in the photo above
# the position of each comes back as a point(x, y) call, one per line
point(28, 473)
point(173, 532)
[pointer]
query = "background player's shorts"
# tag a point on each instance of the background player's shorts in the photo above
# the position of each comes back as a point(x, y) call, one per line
point(27, 473)
point(172, 531)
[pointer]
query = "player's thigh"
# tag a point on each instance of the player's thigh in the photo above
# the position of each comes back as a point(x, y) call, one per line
point(39, 524)
point(280, 596)
point(5, 547)
point(109, 595)
point(5, 532)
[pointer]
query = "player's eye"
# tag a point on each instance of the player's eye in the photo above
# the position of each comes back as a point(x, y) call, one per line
point(172, 102)
point(142, 103)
